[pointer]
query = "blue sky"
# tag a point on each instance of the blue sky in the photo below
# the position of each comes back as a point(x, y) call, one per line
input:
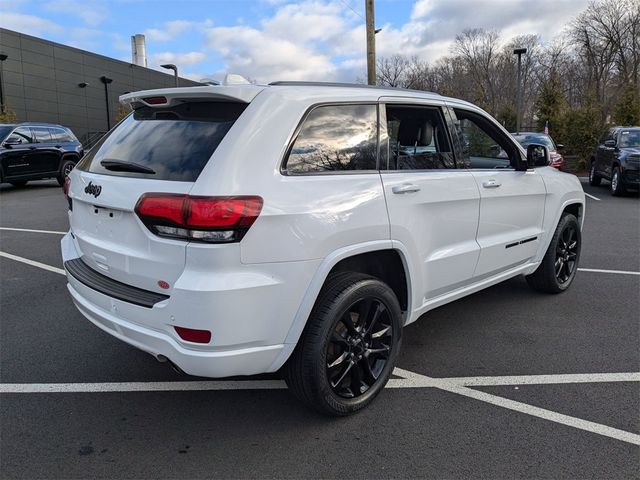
point(268, 40)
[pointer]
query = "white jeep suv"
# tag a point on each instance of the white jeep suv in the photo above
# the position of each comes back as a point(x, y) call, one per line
point(236, 230)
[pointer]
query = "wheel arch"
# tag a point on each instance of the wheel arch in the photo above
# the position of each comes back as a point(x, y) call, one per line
point(380, 259)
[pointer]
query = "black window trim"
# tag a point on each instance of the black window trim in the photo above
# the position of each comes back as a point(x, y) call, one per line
point(296, 133)
point(512, 167)
point(439, 108)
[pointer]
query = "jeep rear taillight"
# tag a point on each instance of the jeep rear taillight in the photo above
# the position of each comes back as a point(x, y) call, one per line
point(65, 189)
point(201, 219)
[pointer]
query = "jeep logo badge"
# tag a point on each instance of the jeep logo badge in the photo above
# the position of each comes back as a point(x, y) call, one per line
point(92, 189)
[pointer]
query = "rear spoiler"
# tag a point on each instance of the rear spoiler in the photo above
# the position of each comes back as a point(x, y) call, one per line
point(170, 96)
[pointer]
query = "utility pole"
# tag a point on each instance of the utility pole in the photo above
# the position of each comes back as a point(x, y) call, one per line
point(371, 42)
point(519, 52)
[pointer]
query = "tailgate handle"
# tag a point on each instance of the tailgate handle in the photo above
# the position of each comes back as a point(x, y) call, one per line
point(405, 188)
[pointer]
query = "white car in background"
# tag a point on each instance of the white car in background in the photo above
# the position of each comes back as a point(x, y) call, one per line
point(237, 229)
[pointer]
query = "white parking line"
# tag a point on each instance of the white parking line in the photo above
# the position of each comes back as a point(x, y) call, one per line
point(33, 263)
point(528, 379)
point(31, 230)
point(457, 385)
point(450, 386)
point(141, 386)
point(591, 196)
point(616, 272)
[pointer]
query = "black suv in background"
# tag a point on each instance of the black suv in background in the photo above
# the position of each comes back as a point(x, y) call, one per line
point(33, 151)
point(617, 159)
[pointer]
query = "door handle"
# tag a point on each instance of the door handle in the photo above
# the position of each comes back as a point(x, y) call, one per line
point(491, 184)
point(32, 148)
point(405, 188)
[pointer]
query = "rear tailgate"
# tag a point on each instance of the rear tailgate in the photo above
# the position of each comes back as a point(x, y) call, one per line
point(161, 148)
point(111, 237)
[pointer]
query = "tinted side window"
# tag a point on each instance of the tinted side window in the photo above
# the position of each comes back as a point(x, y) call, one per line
point(42, 134)
point(335, 138)
point(21, 135)
point(417, 139)
point(484, 145)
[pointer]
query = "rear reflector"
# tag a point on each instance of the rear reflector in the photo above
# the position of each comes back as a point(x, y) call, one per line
point(193, 335)
point(203, 219)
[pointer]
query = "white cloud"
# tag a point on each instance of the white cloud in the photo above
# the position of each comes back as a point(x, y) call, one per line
point(173, 29)
point(180, 59)
point(28, 24)
point(264, 57)
point(324, 40)
point(91, 12)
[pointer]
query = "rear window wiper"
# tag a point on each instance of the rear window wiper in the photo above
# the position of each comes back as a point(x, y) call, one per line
point(120, 166)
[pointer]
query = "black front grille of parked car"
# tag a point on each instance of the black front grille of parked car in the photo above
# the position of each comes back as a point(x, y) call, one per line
point(112, 288)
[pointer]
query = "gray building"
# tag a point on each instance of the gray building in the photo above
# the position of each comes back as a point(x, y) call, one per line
point(44, 81)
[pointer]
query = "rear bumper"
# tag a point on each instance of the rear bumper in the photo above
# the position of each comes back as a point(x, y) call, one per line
point(248, 319)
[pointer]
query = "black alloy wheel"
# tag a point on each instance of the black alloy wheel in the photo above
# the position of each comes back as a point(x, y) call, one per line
point(359, 347)
point(566, 254)
point(560, 263)
point(349, 346)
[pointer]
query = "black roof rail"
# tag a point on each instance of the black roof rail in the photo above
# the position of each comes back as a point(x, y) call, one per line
point(348, 85)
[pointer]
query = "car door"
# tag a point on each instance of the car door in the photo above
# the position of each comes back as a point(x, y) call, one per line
point(606, 154)
point(432, 206)
point(46, 157)
point(17, 151)
point(511, 202)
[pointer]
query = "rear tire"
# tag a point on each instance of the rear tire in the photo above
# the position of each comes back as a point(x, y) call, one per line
point(617, 187)
point(559, 265)
point(349, 346)
point(65, 169)
point(594, 178)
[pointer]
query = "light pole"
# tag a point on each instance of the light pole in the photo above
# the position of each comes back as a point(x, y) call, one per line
point(83, 86)
point(519, 52)
point(3, 57)
point(171, 66)
point(106, 80)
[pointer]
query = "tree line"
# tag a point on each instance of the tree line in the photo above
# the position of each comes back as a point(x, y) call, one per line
point(578, 84)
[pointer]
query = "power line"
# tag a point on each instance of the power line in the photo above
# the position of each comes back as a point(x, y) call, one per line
point(351, 8)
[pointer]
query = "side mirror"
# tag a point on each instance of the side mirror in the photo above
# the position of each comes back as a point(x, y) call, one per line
point(610, 143)
point(11, 141)
point(559, 147)
point(537, 156)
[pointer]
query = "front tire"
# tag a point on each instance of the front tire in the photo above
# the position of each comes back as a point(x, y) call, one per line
point(349, 347)
point(617, 187)
point(560, 264)
point(594, 178)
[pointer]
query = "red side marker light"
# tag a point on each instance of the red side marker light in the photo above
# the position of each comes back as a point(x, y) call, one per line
point(163, 284)
point(193, 335)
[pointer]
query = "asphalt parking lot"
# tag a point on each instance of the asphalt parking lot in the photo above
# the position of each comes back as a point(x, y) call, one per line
point(507, 383)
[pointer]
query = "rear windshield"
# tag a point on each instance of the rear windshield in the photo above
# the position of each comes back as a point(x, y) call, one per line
point(172, 143)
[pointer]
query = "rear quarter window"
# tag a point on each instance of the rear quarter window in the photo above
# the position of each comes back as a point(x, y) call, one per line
point(335, 138)
point(174, 142)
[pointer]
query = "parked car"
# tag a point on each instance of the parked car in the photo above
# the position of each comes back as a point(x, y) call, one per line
point(617, 159)
point(236, 230)
point(555, 157)
point(35, 151)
